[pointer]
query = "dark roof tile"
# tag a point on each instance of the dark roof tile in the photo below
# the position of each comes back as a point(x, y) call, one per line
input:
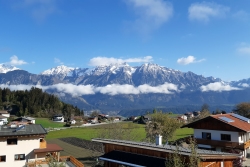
point(33, 129)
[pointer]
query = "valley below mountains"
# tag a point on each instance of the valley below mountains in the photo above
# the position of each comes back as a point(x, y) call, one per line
point(126, 90)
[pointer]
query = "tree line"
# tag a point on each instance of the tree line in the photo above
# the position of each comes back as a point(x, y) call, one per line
point(35, 102)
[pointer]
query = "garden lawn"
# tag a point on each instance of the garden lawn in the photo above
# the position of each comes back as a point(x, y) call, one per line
point(46, 123)
point(90, 132)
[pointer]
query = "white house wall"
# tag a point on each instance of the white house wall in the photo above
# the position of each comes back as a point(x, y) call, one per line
point(245, 137)
point(216, 135)
point(6, 115)
point(24, 146)
point(4, 119)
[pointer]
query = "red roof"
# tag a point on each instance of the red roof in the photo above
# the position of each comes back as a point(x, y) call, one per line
point(50, 148)
point(238, 123)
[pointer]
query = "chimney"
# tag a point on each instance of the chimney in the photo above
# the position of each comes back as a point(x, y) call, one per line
point(158, 140)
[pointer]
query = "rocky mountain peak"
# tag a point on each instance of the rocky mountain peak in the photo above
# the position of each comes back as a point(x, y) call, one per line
point(4, 68)
point(59, 70)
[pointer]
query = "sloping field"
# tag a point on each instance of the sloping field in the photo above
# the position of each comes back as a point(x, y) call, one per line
point(86, 156)
point(86, 144)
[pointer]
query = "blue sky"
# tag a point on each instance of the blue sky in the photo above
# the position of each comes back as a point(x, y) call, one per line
point(210, 38)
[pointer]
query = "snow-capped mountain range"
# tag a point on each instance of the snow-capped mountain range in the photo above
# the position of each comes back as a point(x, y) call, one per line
point(99, 70)
point(120, 86)
point(148, 73)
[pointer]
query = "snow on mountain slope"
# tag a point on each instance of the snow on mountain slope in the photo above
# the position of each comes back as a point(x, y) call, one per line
point(59, 70)
point(6, 68)
point(112, 68)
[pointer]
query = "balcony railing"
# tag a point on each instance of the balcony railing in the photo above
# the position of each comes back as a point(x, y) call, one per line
point(218, 143)
point(72, 159)
point(40, 161)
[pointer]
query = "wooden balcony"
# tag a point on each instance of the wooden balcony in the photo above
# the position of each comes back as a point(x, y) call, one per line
point(42, 161)
point(72, 159)
point(43, 144)
point(218, 143)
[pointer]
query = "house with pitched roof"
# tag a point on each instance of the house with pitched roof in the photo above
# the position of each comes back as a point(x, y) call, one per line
point(3, 120)
point(24, 120)
point(58, 118)
point(4, 113)
point(141, 154)
point(223, 132)
point(25, 145)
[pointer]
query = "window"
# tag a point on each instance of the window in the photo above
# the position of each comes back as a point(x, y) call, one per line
point(11, 141)
point(225, 137)
point(19, 157)
point(206, 135)
point(2, 158)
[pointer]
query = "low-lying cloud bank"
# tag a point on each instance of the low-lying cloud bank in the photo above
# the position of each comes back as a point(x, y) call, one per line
point(217, 87)
point(113, 89)
point(116, 89)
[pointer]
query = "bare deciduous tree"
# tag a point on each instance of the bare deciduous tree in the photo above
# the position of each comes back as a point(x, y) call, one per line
point(177, 160)
point(161, 124)
point(119, 131)
point(243, 109)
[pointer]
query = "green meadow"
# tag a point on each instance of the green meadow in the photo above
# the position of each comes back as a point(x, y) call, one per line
point(47, 123)
point(90, 132)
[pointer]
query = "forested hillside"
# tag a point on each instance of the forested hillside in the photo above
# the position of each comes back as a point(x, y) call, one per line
point(35, 103)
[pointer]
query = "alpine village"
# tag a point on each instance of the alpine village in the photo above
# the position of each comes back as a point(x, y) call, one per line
point(124, 83)
point(38, 129)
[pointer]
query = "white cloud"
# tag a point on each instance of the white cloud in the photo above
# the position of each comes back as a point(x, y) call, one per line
point(15, 61)
point(97, 61)
point(244, 49)
point(16, 87)
point(165, 88)
point(188, 60)
point(113, 89)
point(245, 85)
point(242, 15)
point(151, 14)
point(39, 9)
point(204, 11)
point(217, 87)
point(58, 61)
point(74, 90)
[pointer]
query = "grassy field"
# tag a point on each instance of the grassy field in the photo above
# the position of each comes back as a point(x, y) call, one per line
point(93, 131)
point(46, 123)
point(88, 133)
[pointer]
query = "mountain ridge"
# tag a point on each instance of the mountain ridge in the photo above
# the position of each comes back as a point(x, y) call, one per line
point(117, 87)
